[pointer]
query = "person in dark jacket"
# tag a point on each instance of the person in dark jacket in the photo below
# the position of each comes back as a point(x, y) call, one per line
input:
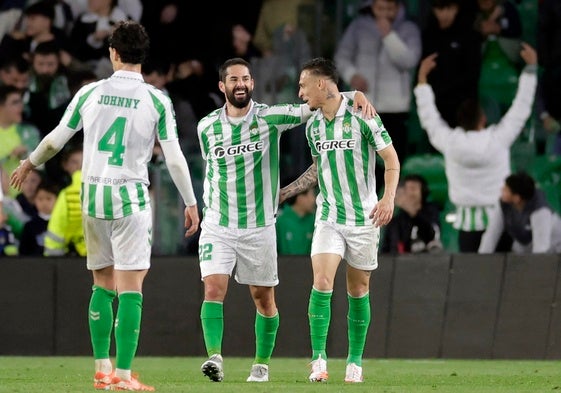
point(416, 226)
point(450, 35)
point(32, 240)
point(526, 216)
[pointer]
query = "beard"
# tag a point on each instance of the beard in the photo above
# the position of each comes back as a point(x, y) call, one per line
point(237, 102)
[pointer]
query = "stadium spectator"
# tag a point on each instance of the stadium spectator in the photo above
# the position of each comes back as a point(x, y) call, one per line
point(348, 215)
point(8, 243)
point(2, 215)
point(276, 16)
point(15, 71)
point(32, 240)
point(10, 16)
point(39, 29)
point(526, 216)
point(241, 44)
point(164, 24)
point(65, 232)
point(22, 209)
point(18, 138)
point(295, 224)
point(476, 155)
point(549, 56)
point(116, 203)
point(48, 88)
point(89, 41)
point(240, 144)
point(156, 72)
point(63, 16)
point(47, 99)
point(376, 55)
point(499, 25)
point(416, 226)
point(450, 35)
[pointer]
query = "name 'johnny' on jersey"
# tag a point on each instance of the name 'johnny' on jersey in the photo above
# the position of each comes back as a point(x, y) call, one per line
point(121, 117)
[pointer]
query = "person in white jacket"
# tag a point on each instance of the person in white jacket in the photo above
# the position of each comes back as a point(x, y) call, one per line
point(476, 155)
point(377, 55)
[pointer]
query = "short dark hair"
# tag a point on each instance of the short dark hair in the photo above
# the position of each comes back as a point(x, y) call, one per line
point(48, 186)
point(5, 91)
point(321, 66)
point(425, 191)
point(469, 113)
point(130, 40)
point(44, 8)
point(222, 71)
point(17, 62)
point(521, 184)
point(69, 150)
point(444, 3)
point(47, 48)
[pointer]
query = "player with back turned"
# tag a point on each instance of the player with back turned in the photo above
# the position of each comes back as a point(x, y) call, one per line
point(121, 118)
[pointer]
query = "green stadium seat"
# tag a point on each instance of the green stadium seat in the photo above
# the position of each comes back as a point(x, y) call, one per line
point(499, 77)
point(553, 194)
point(546, 169)
point(417, 139)
point(528, 10)
point(448, 234)
point(522, 155)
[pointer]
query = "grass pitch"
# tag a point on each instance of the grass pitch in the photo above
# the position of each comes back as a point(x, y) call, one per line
point(74, 374)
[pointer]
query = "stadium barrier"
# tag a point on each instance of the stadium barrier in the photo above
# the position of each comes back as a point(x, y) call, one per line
point(429, 306)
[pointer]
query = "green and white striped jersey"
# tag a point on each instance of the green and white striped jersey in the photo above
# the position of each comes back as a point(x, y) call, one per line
point(345, 149)
point(241, 183)
point(121, 117)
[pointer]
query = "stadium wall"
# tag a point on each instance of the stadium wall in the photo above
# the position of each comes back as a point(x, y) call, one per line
point(430, 306)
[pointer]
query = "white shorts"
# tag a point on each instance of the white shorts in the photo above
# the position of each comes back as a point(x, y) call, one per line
point(125, 243)
point(252, 251)
point(357, 245)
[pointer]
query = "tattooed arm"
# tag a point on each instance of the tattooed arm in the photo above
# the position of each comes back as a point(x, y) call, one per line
point(306, 181)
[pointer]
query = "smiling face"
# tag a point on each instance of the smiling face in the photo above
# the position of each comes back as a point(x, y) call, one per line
point(237, 85)
point(45, 64)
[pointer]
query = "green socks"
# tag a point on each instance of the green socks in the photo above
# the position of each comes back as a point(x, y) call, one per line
point(101, 321)
point(212, 320)
point(127, 328)
point(358, 320)
point(319, 314)
point(265, 336)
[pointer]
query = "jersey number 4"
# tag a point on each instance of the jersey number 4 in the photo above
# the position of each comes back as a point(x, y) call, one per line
point(112, 141)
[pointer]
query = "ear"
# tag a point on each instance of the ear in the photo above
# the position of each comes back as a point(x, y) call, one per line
point(113, 55)
point(221, 86)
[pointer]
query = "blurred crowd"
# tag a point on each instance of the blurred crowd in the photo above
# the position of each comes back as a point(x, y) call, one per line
point(472, 53)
